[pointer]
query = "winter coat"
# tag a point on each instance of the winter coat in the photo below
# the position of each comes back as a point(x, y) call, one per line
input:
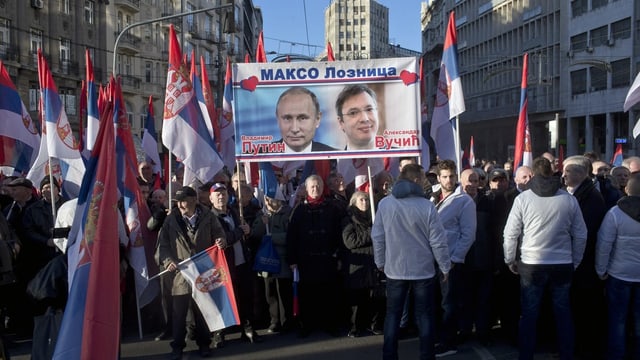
point(618, 246)
point(593, 209)
point(356, 236)
point(313, 239)
point(177, 241)
point(278, 225)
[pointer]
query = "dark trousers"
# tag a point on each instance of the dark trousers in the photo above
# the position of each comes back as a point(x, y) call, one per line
point(423, 296)
point(279, 295)
point(534, 280)
point(166, 283)
point(181, 306)
point(452, 304)
point(318, 305)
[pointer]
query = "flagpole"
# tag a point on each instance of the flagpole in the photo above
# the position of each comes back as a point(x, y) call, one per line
point(53, 198)
point(139, 315)
point(180, 263)
point(373, 210)
point(457, 145)
point(238, 196)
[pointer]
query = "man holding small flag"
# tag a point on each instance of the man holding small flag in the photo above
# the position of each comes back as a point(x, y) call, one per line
point(189, 232)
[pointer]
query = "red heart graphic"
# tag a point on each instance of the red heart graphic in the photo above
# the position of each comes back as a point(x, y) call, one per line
point(408, 77)
point(250, 83)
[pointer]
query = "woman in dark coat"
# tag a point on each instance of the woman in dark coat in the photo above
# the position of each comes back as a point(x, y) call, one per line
point(363, 274)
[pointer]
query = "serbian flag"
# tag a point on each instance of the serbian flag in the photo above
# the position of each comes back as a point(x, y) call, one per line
point(150, 140)
point(330, 56)
point(136, 210)
point(465, 160)
point(449, 98)
point(522, 156)
point(617, 158)
point(184, 131)
point(227, 132)
point(261, 55)
point(92, 104)
point(91, 323)
point(58, 144)
point(207, 96)
point(211, 287)
point(472, 153)
point(19, 136)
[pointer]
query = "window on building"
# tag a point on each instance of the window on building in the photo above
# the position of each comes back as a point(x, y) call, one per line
point(598, 78)
point(621, 29)
point(620, 73)
point(88, 11)
point(148, 71)
point(599, 36)
point(64, 7)
point(5, 36)
point(65, 55)
point(595, 4)
point(579, 42)
point(34, 96)
point(363, 21)
point(579, 82)
point(36, 43)
point(579, 7)
point(68, 98)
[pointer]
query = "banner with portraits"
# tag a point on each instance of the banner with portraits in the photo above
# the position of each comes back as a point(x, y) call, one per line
point(326, 110)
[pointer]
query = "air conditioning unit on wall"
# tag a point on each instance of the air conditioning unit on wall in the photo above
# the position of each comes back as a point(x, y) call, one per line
point(38, 4)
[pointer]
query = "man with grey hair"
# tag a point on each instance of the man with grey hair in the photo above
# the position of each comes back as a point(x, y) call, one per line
point(313, 239)
point(587, 290)
point(632, 163)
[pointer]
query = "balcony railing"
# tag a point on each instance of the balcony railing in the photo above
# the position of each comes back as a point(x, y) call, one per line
point(133, 5)
point(130, 83)
point(9, 53)
point(130, 41)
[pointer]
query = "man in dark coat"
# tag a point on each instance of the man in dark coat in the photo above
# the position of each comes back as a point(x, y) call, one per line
point(587, 290)
point(313, 238)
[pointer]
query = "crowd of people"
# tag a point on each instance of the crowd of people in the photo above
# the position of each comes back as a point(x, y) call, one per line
point(443, 256)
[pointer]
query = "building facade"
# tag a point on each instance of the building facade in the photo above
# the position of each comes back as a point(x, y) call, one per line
point(359, 29)
point(63, 29)
point(581, 64)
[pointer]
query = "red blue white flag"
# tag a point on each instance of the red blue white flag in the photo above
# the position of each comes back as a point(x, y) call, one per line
point(227, 132)
point(58, 144)
point(449, 98)
point(18, 133)
point(211, 287)
point(150, 140)
point(135, 206)
point(330, 56)
point(523, 155)
point(92, 104)
point(184, 131)
point(617, 158)
point(91, 323)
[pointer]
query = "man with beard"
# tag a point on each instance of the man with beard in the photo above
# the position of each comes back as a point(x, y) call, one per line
point(457, 212)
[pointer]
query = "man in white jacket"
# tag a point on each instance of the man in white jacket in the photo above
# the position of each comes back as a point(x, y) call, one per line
point(618, 262)
point(554, 237)
point(408, 243)
point(457, 211)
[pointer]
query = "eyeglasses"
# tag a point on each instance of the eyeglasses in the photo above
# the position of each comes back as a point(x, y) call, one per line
point(352, 113)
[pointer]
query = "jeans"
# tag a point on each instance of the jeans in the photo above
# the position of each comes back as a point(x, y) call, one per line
point(534, 279)
point(622, 297)
point(423, 297)
point(452, 304)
